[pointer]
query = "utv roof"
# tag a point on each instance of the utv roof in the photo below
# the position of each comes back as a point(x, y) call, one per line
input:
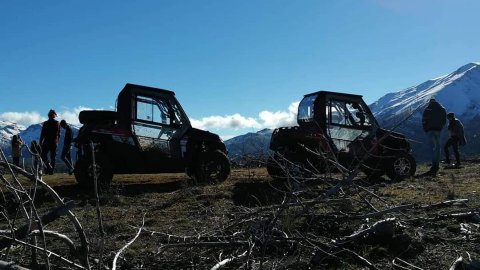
point(129, 87)
point(124, 99)
point(333, 93)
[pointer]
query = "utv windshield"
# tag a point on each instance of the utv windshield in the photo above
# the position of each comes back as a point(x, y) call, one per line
point(305, 109)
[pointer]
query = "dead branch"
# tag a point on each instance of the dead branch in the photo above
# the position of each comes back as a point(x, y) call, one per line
point(49, 252)
point(386, 224)
point(11, 266)
point(24, 231)
point(65, 239)
point(404, 265)
point(226, 261)
point(114, 266)
point(97, 206)
point(360, 258)
point(83, 250)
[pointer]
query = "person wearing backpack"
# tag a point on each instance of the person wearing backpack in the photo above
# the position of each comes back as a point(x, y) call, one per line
point(457, 138)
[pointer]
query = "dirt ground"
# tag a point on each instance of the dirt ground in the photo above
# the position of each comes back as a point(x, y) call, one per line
point(264, 224)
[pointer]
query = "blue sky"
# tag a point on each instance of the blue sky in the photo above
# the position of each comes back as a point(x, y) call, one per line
point(236, 65)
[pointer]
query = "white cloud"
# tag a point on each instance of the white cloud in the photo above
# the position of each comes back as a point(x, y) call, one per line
point(71, 116)
point(280, 118)
point(266, 119)
point(29, 118)
point(235, 121)
point(23, 118)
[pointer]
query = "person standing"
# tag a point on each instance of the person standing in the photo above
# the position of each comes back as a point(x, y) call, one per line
point(67, 142)
point(457, 137)
point(17, 144)
point(49, 141)
point(434, 119)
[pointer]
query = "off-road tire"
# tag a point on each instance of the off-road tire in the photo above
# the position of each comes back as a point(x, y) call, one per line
point(402, 166)
point(84, 173)
point(212, 167)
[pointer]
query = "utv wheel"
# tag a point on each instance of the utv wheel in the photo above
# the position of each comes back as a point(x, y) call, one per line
point(401, 167)
point(84, 171)
point(212, 167)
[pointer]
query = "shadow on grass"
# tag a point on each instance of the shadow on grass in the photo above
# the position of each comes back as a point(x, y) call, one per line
point(259, 193)
point(75, 191)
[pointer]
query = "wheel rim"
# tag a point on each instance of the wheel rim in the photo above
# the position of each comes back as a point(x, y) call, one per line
point(98, 170)
point(402, 166)
point(212, 171)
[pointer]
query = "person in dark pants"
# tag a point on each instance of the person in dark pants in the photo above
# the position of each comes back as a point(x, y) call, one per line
point(457, 137)
point(67, 142)
point(17, 144)
point(49, 141)
point(434, 119)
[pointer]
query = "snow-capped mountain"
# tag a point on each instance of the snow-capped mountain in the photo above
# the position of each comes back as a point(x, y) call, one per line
point(458, 92)
point(7, 130)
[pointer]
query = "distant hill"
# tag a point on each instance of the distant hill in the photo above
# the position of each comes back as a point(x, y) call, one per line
point(250, 144)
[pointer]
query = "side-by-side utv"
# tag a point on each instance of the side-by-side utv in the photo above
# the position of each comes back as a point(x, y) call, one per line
point(148, 133)
point(337, 130)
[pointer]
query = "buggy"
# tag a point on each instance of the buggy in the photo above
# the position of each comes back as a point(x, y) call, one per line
point(148, 133)
point(338, 131)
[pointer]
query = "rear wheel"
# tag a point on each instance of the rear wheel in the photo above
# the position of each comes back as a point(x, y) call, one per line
point(85, 169)
point(402, 166)
point(212, 167)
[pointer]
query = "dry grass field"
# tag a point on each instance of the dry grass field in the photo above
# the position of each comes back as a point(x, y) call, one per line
point(262, 224)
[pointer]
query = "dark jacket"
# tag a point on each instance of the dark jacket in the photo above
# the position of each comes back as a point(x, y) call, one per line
point(434, 117)
point(50, 132)
point(455, 128)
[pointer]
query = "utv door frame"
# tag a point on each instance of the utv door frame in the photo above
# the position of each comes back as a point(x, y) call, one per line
point(156, 133)
point(350, 124)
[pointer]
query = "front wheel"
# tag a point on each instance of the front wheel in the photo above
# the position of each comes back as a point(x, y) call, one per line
point(85, 169)
point(402, 166)
point(212, 167)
